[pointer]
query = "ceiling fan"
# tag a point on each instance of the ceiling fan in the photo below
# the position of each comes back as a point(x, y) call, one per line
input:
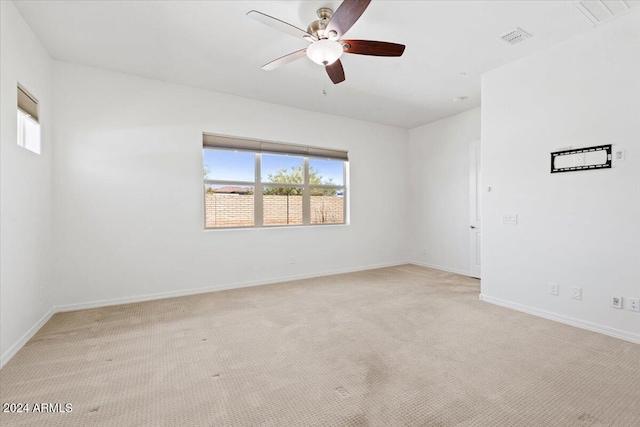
point(325, 36)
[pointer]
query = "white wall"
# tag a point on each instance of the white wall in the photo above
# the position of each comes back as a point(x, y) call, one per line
point(25, 187)
point(129, 198)
point(439, 184)
point(578, 228)
point(127, 212)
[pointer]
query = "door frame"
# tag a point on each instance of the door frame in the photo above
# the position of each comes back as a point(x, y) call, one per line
point(475, 209)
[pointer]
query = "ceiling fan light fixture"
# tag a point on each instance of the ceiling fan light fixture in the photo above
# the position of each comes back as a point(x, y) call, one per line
point(325, 52)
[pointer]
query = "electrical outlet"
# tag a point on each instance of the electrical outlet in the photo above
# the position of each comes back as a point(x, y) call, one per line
point(616, 301)
point(634, 304)
point(554, 289)
point(292, 260)
point(576, 293)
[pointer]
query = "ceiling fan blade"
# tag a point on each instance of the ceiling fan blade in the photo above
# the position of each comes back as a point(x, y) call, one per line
point(280, 25)
point(346, 15)
point(373, 48)
point(336, 72)
point(284, 60)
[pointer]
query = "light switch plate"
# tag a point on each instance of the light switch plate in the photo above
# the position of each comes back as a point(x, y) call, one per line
point(511, 219)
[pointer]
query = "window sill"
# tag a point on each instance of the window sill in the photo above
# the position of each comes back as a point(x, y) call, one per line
point(276, 227)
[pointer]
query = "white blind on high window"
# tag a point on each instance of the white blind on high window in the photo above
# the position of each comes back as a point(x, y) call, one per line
point(27, 103)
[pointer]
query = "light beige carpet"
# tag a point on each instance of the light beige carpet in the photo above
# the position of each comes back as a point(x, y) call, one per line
point(402, 346)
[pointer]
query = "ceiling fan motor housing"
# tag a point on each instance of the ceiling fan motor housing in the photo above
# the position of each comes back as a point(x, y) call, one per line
point(317, 27)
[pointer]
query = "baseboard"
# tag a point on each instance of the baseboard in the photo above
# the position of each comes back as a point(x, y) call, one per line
point(26, 337)
point(215, 288)
point(616, 333)
point(441, 268)
point(612, 332)
point(150, 297)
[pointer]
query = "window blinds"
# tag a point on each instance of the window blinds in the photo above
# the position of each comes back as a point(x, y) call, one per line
point(27, 103)
point(256, 146)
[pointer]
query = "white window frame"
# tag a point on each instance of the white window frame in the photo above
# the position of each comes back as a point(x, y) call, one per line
point(29, 139)
point(258, 184)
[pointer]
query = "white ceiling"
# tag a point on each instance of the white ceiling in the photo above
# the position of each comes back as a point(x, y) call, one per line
point(213, 45)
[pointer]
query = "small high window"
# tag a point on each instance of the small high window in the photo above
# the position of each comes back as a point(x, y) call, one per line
point(28, 123)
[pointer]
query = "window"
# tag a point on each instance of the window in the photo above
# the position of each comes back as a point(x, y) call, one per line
point(250, 183)
point(28, 124)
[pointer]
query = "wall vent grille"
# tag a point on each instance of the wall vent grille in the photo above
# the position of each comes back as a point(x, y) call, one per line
point(516, 36)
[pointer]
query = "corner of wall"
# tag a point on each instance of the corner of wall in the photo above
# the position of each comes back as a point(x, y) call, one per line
point(439, 187)
point(26, 188)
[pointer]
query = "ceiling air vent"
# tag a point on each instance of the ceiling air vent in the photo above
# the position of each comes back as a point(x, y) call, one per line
point(516, 36)
point(598, 11)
